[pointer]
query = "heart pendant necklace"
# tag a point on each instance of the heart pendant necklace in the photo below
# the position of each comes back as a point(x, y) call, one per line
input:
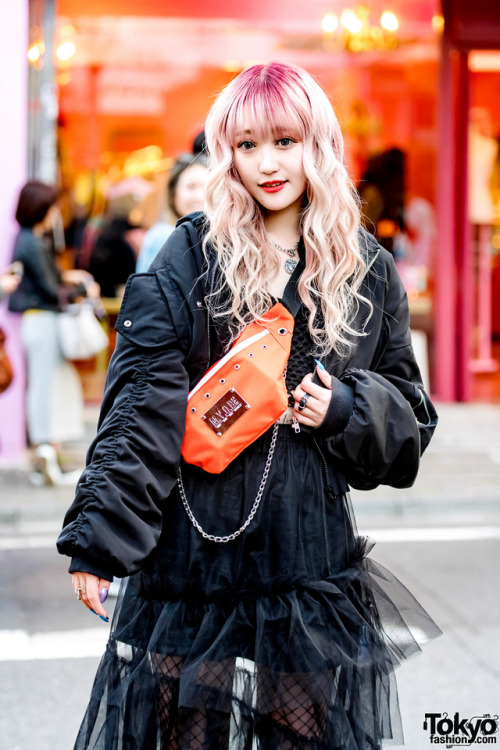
point(290, 263)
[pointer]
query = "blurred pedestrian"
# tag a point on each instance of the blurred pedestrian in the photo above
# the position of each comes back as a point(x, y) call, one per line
point(252, 615)
point(114, 255)
point(185, 194)
point(200, 143)
point(54, 395)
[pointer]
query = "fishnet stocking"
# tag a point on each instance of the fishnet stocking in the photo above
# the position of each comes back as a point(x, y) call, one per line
point(187, 729)
point(298, 723)
point(288, 712)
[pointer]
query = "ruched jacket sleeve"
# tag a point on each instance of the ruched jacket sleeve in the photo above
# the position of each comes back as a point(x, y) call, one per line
point(115, 520)
point(391, 417)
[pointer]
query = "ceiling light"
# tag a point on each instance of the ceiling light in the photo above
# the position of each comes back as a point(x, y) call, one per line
point(437, 23)
point(329, 23)
point(66, 50)
point(350, 21)
point(389, 21)
point(36, 51)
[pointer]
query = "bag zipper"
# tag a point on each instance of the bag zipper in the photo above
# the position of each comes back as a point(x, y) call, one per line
point(328, 487)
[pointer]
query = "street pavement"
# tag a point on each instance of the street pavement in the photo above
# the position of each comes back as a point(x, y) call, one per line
point(440, 537)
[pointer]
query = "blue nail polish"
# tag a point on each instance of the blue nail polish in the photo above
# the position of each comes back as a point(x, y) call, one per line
point(94, 613)
point(320, 364)
point(105, 619)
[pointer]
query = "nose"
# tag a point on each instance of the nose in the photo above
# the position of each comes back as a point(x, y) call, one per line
point(268, 161)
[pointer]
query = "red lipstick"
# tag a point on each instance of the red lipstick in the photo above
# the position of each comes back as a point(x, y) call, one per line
point(273, 186)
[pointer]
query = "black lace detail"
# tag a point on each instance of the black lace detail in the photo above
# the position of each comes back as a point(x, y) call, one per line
point(301, 360)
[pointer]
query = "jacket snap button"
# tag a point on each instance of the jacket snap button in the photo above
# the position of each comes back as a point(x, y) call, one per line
point(127, 323)
point(282, 331)
point(193, 409)
point(250, 355)
point(207, 395)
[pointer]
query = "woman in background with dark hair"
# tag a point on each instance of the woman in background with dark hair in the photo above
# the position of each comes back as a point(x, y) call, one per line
point(185, 194)
point(54, 396)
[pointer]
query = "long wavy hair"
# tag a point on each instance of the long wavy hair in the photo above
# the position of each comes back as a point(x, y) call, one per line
point(284, 100)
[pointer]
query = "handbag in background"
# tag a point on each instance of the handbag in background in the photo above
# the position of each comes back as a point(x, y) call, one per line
point(6, 371)
point(81, 336)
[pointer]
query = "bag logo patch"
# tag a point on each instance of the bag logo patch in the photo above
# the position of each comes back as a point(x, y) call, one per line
point(225, 412)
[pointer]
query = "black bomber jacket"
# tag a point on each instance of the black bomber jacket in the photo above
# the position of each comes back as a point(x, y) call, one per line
point(163, 348)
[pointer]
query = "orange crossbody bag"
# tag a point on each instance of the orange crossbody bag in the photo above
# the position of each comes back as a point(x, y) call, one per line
point(241, 395)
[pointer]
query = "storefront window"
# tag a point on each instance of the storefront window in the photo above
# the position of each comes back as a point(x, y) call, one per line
point(134, 93)
point(484, 216)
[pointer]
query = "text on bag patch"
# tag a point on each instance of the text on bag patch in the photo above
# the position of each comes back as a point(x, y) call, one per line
point(228, 409)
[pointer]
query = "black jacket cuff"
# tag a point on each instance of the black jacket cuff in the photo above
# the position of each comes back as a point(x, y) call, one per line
point(78, 565)
point(339, 409)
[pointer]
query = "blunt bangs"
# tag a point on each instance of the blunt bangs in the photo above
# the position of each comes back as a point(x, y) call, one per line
point(268, 103)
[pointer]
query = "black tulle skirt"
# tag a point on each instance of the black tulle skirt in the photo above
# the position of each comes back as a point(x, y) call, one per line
point(286, 638)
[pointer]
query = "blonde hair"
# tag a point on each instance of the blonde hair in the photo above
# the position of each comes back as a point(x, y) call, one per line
point(281, 99)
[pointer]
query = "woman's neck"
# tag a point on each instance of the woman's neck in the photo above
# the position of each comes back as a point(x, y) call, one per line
point(283, 226)
point(283, 239)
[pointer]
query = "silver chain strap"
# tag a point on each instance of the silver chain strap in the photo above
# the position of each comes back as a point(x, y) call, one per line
point(253, 511)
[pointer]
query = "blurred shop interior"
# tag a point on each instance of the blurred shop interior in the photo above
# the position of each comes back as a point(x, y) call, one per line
point(118, 89)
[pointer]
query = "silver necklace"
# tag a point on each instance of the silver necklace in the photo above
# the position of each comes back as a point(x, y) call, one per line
point(290, 263)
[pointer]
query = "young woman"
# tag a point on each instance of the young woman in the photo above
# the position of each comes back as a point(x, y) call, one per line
point(185, 194)
point(286, 636)
point(54, 399)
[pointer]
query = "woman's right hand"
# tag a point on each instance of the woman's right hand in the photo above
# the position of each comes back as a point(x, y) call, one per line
point(90, 589)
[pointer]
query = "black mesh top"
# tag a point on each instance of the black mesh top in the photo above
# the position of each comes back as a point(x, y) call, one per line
point(301, 360)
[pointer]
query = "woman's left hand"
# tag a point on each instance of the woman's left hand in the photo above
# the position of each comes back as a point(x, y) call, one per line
point(317, 399)
point(78, 276)
point(92, 592)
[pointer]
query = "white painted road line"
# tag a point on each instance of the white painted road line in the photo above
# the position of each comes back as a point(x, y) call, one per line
point(27, 542)
point(411, 534)
point(434, 534)
point(18, 645)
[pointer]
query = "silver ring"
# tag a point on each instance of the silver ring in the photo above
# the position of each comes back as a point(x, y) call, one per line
point(79, 591)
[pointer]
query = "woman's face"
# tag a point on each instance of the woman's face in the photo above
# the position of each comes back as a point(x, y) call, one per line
point(190, 190)
point(271, 168)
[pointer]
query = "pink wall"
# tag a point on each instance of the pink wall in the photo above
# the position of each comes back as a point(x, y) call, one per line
point(13, 158)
